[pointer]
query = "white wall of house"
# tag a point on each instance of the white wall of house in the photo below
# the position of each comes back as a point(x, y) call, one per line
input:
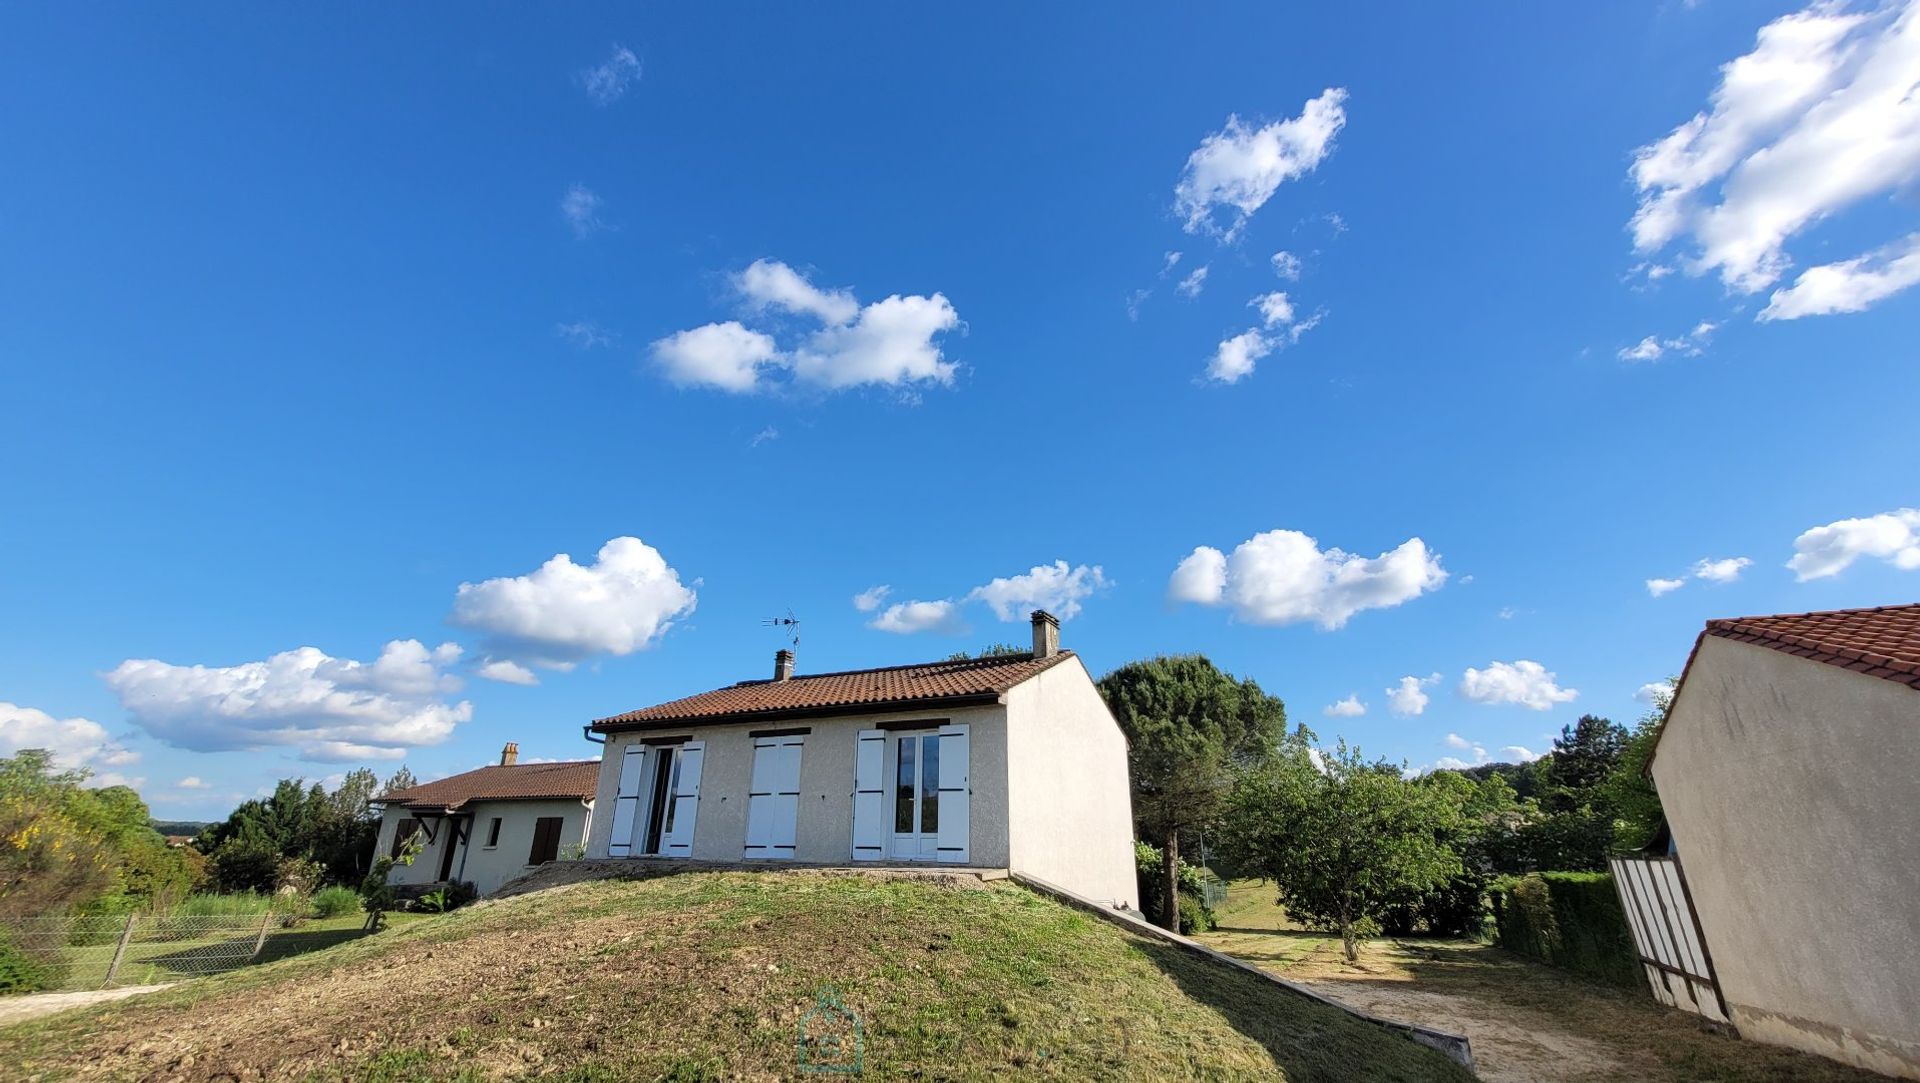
point(825, 820)
point(487, 868)
point(1793, 790)
point(1071, 806)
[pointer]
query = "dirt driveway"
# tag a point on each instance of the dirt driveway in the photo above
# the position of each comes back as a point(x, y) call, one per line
point(1528, 1023)
point(35, 1005)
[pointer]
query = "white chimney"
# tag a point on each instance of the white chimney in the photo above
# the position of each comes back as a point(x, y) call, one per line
point(783, 665)
point(510, 755)
point(1046, 634)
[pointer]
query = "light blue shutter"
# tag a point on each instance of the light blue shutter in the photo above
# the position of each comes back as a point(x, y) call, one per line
point(626, 801)
point(686, 800)
point(956, 794)
point(870, 796)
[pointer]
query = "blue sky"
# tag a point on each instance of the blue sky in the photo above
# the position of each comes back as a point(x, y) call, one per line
point(309, 318)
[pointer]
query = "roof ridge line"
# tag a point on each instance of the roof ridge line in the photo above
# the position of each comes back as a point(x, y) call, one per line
point(1002, 659)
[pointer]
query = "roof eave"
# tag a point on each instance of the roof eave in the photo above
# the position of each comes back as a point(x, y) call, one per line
point(978, 699)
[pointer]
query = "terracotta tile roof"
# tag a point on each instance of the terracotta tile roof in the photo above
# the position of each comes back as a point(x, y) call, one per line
point(522, 782)
point(976, 680)
point(1881, 642)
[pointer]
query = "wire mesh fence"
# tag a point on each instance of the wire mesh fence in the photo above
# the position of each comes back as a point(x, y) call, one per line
point(75, 953)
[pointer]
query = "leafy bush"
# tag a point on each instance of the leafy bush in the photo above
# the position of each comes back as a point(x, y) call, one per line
point(24, 971)
point(246, 864)
point(234, 904)
point(1572, 920)
point(333, 902)
point(452, 897)
point(1195, 917)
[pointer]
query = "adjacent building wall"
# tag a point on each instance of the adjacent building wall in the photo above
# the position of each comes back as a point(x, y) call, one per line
point(426, 866)
point(486, 868)
point(1072, 812)
point(1793, 790)
point(824, 832)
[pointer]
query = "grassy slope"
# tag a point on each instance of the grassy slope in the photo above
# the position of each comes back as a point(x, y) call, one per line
point(707, 975)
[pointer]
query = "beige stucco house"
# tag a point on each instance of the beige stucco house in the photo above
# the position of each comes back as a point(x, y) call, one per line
point(1789, 770)
point(488, 826)
point(1007, 762)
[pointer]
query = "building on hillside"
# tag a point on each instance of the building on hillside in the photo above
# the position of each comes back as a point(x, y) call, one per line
point(488, 826)
point(1789, 770)
point(1008, 761)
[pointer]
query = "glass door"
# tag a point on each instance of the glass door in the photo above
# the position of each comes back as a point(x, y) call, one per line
point(916, 797)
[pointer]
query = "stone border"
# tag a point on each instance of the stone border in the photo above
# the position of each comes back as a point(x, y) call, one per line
point(1454, 1046)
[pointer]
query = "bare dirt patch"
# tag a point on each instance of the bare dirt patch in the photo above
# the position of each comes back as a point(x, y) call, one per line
point(22, 1008)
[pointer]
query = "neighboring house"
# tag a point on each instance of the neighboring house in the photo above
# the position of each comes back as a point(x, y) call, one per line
point(1789, 770)
point(1008, 761)
point(488, 826)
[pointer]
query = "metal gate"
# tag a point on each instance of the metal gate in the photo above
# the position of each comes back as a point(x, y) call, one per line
point(1666, 933)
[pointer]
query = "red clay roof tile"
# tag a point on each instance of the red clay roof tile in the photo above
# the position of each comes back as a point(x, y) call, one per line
point(1881, 642)
point(521, 782)
point(852, 691)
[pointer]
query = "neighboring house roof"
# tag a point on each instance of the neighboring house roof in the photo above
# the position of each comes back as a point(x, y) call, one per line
point(1881, 642)
point(574, 779)
point(961, 683)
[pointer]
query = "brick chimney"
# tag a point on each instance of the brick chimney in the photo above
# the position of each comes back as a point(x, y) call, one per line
point(510, 755)
point(783, 665)
point(1046, 634)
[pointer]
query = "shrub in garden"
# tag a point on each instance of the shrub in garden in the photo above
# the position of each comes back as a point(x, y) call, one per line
point(1572, 920)
point(26, 971)
point(1195, 917)
point(333, 902)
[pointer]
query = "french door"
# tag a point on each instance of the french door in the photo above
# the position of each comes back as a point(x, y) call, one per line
point(916, 797)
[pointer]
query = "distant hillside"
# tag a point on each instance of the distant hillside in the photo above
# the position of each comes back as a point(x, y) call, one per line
point(709, 976)
point(178, 827)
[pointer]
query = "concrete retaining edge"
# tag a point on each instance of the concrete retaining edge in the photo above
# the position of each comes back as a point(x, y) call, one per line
point(1454, 1046)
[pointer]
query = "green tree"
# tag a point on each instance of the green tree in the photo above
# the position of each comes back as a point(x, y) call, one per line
point(1344, 840)
point(1627, 789)
point(1189, 729)
point(1584, 755)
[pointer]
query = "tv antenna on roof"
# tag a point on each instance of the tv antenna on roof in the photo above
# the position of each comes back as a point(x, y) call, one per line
point(788, 622)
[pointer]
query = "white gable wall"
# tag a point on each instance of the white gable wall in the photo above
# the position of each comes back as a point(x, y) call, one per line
point(485, 868)
point(1793, 790)
point(1072, 809)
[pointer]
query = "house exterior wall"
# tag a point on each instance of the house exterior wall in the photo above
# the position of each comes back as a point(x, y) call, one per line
point(824, 832)
point(486, 868)
point(1071, 819)
point(1793, 790)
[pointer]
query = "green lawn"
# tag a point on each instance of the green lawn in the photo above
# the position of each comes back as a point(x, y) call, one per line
point(710, 975)
point(153, 961)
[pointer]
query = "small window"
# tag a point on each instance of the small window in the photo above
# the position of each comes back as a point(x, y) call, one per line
point(404, 830)
point(546, 840)
point(493, 833)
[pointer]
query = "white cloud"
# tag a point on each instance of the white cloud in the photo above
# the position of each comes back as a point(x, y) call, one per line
point(1409, 698)
point(564, 612)
point(1692, 344)
point(1522, 684)
point(1451, 763)
point(1720, 571)
point(1283, 576)
point(506, 672)
point(331, 709)
point(1286, 265)
point(584, 333)
point(764, 435)
point(72, 742)
point(607, 83)
point(1195, 281)
point(869, 599)
point(906, 618)
point(1518, 754)
point(581, 208)
point(769, 283)
point(1851, 285)
point(1201, 578)
point(1657, 587)
point(890, 342)
point(1351, 707)
point(1056, 588)
point(192, 782)
point(1653, 693)
point(1892, 536)
point(723, 355)
point(1275, 309)
point(1234, 358)
point(1168, 262)
point(1822, 114)
point(1238, 168)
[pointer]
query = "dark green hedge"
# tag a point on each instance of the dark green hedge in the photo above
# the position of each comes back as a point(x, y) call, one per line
point(1570, 919)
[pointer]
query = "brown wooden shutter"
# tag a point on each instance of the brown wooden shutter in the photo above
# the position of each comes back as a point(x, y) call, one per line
point(546, 840)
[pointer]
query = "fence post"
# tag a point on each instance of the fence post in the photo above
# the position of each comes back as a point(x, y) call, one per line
point(261, 940)
point(119, 952)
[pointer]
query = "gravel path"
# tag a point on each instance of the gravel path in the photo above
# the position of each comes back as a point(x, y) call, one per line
point(33, 1006)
